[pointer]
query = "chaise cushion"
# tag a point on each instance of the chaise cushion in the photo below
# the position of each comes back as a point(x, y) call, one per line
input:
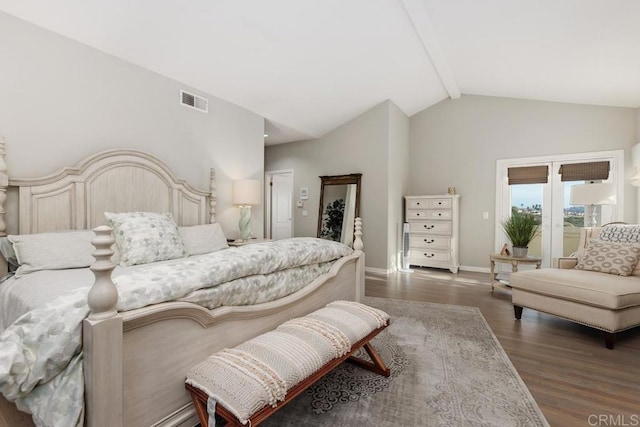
point(597, 289)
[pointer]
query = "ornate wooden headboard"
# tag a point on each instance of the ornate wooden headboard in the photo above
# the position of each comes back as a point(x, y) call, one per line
point(110, 181)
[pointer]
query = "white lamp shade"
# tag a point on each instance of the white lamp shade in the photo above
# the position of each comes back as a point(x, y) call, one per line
point(593, 194)
point(247, 192)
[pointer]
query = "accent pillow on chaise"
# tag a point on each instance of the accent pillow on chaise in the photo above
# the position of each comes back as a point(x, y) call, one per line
point(609, 257)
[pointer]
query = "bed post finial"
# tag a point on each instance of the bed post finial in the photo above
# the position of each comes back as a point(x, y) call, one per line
point(102, 340)
point(213, 197)
point(103, 295)
point(4, 183)
point(358, 245)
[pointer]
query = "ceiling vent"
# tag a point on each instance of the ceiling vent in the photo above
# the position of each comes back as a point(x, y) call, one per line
point(194, 101)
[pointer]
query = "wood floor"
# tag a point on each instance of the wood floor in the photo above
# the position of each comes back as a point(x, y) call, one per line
point(573, 377)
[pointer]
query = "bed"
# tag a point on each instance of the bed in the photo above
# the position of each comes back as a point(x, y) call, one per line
point(135, 361)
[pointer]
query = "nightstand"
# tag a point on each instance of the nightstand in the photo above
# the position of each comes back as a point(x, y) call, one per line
point(248, 242)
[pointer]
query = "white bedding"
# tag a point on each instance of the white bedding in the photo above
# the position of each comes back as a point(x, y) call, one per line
point(40, 353)
point(20, 295)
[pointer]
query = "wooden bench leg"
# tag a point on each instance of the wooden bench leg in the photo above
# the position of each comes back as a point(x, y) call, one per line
point(200, 400)
point(200, 406)
point(376, 365)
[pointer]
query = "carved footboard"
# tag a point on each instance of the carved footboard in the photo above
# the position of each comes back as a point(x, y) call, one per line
point(135, 362)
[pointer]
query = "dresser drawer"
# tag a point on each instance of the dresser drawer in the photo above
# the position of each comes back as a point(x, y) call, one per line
point(428, 214)
point(432, 242)
point(426, 257)
point(431, 227)
point(418, 203)
point(428, 203)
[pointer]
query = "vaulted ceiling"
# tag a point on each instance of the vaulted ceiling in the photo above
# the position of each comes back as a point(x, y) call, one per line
point(308, 66)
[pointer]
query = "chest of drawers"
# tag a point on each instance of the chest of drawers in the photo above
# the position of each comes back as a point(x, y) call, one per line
point(433, 231)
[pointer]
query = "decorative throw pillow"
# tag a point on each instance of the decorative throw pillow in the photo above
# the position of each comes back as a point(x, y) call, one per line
point(629, 233)
point(144, 237)
point(609, 257)
point(6, 249)
point(203, 239)
point(53, 251)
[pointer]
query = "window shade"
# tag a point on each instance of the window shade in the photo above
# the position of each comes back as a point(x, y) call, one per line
point(528, 175)
point(584, 171)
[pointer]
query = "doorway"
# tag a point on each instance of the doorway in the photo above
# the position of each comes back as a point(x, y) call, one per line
point(279, 204)
point(541, 187)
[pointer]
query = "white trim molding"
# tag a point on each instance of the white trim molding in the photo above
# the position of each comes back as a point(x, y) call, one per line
point(375, 270)
point(475, 269)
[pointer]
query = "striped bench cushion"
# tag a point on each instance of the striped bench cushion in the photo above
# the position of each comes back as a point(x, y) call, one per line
point(260, 371)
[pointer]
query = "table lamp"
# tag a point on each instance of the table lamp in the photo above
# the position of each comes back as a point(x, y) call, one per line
point(246, 193)
point(591, 195)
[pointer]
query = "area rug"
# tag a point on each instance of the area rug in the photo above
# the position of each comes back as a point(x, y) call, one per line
point(447, 369)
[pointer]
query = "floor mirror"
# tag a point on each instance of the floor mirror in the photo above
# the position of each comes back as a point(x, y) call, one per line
point(339, 207)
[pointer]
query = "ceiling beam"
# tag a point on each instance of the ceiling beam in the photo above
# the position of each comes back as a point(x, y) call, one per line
point(417, 12)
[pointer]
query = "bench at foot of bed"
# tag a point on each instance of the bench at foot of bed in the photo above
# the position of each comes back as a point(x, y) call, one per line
point(255, 379)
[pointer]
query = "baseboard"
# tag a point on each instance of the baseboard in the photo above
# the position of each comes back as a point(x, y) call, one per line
point(184, 417)
point(476, 269)
point(374, 270)
point(388, 271)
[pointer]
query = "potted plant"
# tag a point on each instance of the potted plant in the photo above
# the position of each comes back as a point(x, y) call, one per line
point(520, 228)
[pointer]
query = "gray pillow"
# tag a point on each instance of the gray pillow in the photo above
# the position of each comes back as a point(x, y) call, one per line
point(144, 237)
point(609, 257)
point(52, 251)
point(203, 239)
point(6, 249)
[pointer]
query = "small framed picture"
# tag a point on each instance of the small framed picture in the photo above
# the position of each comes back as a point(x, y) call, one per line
point(304, 193)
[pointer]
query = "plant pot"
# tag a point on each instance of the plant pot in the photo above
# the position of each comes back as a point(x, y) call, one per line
point(520, 251)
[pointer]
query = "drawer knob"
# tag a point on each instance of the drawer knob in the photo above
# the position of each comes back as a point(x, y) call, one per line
point(418, 214)
point(428, 255)
point(418, 203)
point(428, 240)
point(439, 203)
point(428, 227)
point(439, 214)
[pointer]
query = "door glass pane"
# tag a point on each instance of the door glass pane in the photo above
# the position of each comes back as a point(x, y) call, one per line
point(574, 219)
point(527, 198)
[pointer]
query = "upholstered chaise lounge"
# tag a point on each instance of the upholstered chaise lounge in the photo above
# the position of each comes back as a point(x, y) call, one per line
point(608, 302)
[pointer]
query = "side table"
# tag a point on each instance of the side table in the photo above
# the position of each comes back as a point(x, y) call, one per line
point(514, 261)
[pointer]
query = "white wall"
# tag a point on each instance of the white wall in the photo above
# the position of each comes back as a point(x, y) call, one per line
point(457, 142)
point(61, 101)
point(398, 182)
point(359, 146)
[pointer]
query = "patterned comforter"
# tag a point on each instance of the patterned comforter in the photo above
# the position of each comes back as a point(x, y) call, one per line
point(41, 352)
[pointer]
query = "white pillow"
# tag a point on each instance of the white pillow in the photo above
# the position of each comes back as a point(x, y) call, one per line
point(53, 251)
point(144, 237)
point(203, 239)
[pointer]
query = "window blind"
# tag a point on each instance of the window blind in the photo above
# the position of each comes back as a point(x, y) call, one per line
point(584, 171)
point(528, 175)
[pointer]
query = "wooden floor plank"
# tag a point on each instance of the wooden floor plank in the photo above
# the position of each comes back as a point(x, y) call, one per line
point(566, 366)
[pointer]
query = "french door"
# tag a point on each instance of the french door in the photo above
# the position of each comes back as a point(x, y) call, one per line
point(548, 200)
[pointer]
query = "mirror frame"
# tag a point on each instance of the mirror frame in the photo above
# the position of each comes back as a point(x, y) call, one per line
point(354, 178)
